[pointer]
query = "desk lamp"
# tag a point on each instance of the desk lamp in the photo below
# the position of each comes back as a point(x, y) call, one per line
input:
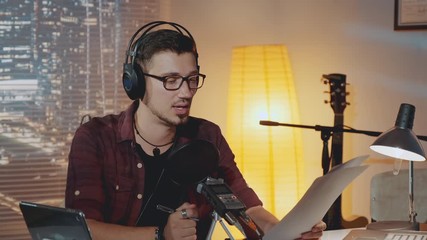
point(401, 143)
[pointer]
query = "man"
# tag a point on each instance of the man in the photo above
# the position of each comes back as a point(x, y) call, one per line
point(116, 173)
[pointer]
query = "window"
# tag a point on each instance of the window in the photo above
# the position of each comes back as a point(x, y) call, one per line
point(60, 61)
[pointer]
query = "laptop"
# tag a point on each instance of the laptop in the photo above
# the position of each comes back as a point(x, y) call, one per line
point(365, 234)
point(54, 223)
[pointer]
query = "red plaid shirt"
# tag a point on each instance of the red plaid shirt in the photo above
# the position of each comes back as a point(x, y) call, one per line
point(106, 176)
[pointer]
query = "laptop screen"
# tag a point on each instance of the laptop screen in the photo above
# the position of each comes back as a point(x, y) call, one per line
point(54, 223)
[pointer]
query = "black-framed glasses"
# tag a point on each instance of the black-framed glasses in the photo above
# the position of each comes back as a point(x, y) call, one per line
point(174, 82)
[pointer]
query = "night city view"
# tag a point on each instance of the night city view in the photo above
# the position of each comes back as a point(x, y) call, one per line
point(60, 64)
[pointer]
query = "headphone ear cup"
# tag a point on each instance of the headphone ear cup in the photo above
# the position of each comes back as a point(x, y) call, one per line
point(140, 88)
point(133, 81)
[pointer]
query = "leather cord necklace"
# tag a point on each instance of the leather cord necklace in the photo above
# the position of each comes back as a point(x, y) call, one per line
point(156, 150)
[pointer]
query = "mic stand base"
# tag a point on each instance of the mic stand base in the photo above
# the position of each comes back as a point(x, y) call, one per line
point(217, 218)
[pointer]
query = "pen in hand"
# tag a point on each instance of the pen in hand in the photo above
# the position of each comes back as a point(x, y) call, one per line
point(170, 210)
point(164, 209)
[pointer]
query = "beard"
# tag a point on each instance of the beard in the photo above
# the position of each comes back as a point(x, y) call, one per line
point(176, 121)
point(168, 121)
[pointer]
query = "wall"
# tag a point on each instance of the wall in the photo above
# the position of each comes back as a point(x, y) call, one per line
point(355, 37)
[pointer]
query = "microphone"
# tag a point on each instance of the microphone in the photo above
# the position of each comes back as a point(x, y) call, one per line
point(192, 162)
point(228, 206)
point(268, 123)
point(335, 76)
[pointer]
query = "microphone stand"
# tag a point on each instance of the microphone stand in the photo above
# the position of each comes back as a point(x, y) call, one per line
point(217, 218)
point(326, 132)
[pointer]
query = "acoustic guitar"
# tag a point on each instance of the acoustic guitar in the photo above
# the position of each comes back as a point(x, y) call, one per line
point(337, 91)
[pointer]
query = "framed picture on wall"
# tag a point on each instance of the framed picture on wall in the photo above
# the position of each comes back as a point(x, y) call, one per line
point(410, 14)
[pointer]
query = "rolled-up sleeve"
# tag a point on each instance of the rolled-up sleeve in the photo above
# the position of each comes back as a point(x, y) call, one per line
point(229, 170)
point(235, 179)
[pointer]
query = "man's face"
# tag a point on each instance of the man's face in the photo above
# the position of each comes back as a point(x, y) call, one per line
point(170, 107)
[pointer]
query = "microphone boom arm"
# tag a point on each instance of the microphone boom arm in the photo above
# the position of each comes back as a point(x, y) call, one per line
point(328, 128)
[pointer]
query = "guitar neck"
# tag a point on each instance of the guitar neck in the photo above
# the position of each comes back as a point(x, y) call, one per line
point(337, 140)
point(339, 120)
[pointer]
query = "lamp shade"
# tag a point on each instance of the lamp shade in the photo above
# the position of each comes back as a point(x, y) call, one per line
point(400, 141)
point(262, 87)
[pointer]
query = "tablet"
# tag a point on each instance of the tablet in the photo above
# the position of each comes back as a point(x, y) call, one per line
point(46, 222)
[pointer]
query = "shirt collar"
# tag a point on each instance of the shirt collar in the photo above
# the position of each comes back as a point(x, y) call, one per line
point(126, 122)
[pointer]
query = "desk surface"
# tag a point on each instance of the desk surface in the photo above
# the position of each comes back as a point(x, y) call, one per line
point(335, 234)
point(340, 234)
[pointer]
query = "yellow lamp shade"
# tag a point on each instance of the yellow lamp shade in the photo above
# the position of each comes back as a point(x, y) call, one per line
point(262, 87)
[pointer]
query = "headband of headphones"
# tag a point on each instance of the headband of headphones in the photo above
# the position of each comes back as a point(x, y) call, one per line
point(131, 53)
point(133, 77)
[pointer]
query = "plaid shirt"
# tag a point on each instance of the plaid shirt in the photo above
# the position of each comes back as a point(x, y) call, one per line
point(106, 175)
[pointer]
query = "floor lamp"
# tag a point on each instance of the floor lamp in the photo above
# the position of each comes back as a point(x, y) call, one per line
point(400, 142)
point(262, 86)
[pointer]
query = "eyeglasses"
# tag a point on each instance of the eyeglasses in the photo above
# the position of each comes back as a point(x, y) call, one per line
point(174, 82)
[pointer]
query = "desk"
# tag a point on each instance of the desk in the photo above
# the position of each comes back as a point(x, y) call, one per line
point(335, 234)
point(340, 234)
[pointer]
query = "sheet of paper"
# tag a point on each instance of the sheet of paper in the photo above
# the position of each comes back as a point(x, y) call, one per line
point(316, 201)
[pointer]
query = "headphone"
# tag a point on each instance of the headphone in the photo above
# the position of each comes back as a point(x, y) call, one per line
point(133, 77)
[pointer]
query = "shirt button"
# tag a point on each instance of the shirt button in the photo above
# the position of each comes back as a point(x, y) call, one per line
point(139, 165)
point(139, 196)
point(77, 192)
point(117, 187)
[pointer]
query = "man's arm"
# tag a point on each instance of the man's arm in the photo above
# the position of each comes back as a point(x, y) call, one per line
point(178, 227)
point(106, 231)
point(263, 218)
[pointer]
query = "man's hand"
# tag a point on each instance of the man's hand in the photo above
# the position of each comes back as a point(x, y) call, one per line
point(316, 231)
point(180, 224)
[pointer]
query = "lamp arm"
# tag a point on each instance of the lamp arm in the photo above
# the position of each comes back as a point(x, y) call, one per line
point(412, 212)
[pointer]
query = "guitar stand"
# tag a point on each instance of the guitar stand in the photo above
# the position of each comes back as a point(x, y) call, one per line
point(217, 218)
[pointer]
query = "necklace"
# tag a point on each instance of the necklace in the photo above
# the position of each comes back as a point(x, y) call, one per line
point(156, 150)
